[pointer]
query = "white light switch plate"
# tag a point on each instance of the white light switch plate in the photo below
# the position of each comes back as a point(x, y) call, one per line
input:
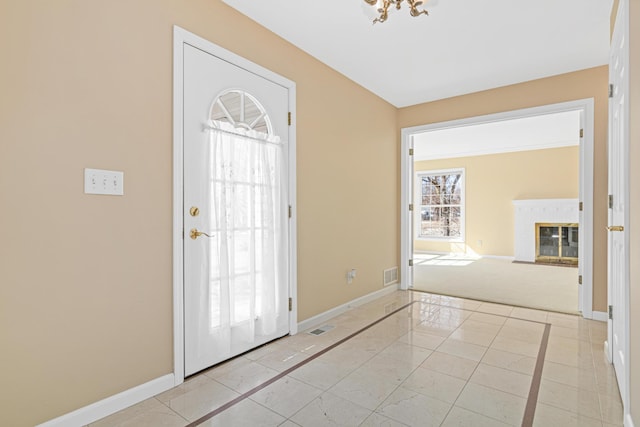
point(98, 181)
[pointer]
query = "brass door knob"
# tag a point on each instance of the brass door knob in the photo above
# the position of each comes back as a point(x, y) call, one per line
point(615, 228)
point(194, 234)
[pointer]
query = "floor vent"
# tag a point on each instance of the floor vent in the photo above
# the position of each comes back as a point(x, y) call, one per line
point(390, 276)
point(321, 330)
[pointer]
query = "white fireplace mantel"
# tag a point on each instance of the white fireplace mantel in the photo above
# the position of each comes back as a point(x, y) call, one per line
point(530, 212)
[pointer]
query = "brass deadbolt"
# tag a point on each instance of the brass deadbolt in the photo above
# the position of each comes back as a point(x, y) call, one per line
point(194, 211)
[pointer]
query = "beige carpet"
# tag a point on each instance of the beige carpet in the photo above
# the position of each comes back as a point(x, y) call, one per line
point(498, 280)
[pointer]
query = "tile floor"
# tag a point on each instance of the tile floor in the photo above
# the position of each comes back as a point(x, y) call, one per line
point(441, 361)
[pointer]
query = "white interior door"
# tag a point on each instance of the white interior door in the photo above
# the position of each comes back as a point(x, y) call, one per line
point(235, 210)
point(618, 269)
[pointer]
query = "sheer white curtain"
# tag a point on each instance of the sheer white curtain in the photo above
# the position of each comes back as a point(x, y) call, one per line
point(247, 252)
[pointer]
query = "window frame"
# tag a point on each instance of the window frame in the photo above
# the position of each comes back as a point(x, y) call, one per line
point(418, 206)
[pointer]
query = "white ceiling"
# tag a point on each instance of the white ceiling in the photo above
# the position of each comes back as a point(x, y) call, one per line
point(463, 46)
point(529, 133)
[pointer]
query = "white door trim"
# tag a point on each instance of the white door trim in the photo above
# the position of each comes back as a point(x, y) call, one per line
point(181, 37)
point(586, 106)
point(406, 215)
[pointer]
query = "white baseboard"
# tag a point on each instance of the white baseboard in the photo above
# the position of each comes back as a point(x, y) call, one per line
point(607, 352)
point(601, 316)
point(507, 257)
point(113, 404)
point(432, 252)
point(336, 311)
point(628, 421)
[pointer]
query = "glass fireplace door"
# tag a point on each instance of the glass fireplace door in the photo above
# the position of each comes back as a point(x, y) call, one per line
point(557, 243)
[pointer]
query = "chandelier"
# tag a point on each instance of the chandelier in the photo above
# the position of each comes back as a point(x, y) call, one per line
point(384, 5)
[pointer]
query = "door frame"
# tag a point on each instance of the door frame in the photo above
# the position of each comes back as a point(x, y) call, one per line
point(586, 149)
point(180, 38)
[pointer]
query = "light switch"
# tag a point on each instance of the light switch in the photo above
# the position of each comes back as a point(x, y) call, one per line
point(99, 181)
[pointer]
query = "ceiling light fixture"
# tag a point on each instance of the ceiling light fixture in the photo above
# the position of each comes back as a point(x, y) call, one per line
point(384, 5)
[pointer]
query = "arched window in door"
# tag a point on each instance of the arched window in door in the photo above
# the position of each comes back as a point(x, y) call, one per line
point(241, 110)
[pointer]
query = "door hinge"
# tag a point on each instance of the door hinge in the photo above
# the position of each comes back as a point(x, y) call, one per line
point(581, 133)
point(290, 304)
point(610, 201)
point(611, 90)
point(610, 312)
point(289, 118)
point(580, 206)
point(411, 151)
point(290, 211)
point(410, 263)
point(411, 206)
point(580, 279)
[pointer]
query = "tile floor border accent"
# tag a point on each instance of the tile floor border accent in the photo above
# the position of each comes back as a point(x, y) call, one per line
point(291, 369)
point(532, 397)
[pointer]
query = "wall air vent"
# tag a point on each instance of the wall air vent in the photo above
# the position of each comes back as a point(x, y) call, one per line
point(390, 276)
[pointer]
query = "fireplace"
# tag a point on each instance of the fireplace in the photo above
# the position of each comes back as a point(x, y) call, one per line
point(553, 213)
point(557, 243)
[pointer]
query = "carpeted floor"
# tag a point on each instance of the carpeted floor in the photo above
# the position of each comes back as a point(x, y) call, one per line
point(543, 287)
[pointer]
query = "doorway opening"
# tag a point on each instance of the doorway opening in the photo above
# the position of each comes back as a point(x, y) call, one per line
point(495, 222)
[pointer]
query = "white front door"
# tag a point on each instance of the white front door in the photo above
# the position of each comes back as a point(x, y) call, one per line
point(618, 269)
point(235, 210)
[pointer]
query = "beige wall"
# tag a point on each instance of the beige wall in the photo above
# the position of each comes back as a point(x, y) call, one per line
point(591, 83)
point(634, 225)
point(492, 182)
point(86, 281)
